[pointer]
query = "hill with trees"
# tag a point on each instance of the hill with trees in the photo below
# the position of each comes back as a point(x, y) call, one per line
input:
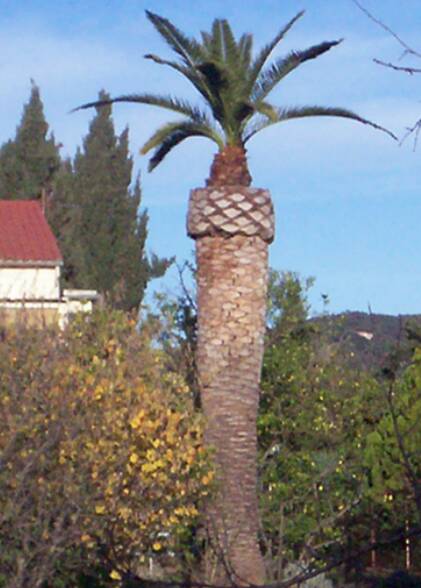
point(372, 339)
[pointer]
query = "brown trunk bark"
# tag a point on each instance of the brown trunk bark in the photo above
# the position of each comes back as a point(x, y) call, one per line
point(232, 225)
point(229, 168)
point(232, 297)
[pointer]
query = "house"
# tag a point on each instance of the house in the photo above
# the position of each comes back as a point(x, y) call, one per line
point(30, 268)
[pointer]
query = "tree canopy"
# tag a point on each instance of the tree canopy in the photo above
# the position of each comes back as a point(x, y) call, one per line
point(101, 455)
point(233, 84)
point(96, 210)
point(28, 162)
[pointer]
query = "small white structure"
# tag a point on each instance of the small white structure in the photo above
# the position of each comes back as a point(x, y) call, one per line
point(365, 335)
point(30, 266)
point(24, 282)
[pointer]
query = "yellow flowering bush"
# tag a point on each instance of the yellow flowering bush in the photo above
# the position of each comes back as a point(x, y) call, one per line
point(101, 452)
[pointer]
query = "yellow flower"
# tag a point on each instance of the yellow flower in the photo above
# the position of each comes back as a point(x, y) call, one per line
point(157, 546)
point(135, 422)
point(134, 458)
point(100, 509)
point(124, 512)
point(148, 468)
point(207, 478)
point(114, 575)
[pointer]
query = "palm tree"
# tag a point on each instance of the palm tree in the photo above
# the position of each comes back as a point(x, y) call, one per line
point(232, 225)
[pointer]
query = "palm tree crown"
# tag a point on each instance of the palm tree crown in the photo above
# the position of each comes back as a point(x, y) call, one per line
point(234, 85)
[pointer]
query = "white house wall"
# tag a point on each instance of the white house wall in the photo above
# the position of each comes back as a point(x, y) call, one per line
point(29, 283)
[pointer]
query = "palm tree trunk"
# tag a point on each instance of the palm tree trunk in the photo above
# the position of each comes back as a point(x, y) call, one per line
point(232, 226)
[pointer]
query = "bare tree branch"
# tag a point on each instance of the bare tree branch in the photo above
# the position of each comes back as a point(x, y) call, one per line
point(407, 49)
point(414, 130)
point(410, 70)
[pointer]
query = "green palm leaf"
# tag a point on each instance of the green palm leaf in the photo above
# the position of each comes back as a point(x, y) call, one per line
point(284, 114)
point(221, 68)
point(175, 104)
point(272, 75)
point(188, 49)
point(268, 110)
point(233, 85)
point(236, 68)
point(206, 85)
point(216, 42)
point(245, 46)
point(231, 54)
point(207, 42)
point(264, 53)
point(171, 134)
point(183, 69)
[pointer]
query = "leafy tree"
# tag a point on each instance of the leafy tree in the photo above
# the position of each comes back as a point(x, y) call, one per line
point(175, 317)
point(232, 225)
point(393, 451)
point(314, 417)
point(321, 433)
point(96, 215)
point(102, 464)
point(29, 161)
point(287, 308)
point(339, 450)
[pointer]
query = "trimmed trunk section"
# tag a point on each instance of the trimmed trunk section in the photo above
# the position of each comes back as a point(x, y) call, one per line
point(232, 226)
point(229, 167)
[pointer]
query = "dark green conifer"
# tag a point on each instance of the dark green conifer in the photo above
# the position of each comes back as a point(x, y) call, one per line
point(63, 214)
point(28, 162)
point(104, 247)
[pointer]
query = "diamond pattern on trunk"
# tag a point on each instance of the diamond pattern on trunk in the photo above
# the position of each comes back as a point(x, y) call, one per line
point(231, 210)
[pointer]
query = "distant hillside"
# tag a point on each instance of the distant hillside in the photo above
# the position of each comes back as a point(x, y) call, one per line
point(372, 337)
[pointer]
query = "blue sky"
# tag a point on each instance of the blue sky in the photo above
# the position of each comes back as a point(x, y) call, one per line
point(347, 198)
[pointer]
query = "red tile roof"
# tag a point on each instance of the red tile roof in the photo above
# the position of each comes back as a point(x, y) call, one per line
point(25, 235)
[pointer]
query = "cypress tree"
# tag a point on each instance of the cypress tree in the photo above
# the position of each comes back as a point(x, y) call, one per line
point(29, 161)
point(103, 235)
point(63, 215)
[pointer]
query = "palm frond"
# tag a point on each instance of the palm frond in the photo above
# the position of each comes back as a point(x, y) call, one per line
point(226, 75)
point(265, 52)
point(196, 77)
point(284, 114)
point(175, 104)
point(223, 65)
point(94, 104)
point(234, 86)
point(245, 46)
point(188, 49)
point(172, 134)
point(262, 111)
point(268, 110)
point(216, 42)
point(214, 75)
point(214, 81)
point(273, 74)
point(183, 69)
point(231, 55)
point(207, 43)
point(243, 111)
